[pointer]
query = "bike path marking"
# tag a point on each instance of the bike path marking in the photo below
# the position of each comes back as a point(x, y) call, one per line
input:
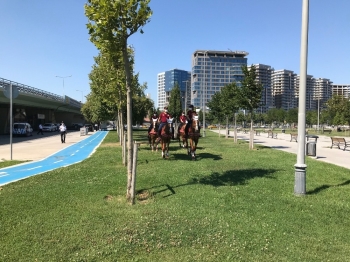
point(68, 156)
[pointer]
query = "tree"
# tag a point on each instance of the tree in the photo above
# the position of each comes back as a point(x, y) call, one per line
point(110, 25)
point(215, 107)
point(251, 92)
point(175, 107)
point(291, 116)
point(230, 95)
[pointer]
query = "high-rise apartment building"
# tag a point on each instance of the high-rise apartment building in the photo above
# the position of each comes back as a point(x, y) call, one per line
point(341, 90)
point(167, 81)
point(263, 76)
point(323, 91)
point(283, 89)
point(212, 70)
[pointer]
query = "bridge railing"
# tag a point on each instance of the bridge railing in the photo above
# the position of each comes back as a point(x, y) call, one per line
point(35, 91)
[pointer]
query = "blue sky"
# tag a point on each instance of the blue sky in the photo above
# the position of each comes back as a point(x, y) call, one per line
point(42, 39)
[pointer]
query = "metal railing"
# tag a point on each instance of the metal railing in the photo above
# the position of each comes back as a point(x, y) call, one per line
point(40, 93)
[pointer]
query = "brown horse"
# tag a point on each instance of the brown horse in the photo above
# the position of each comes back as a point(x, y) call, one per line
point(193, 135)
point(165, 136)
point(152, 136)
point(181, 136)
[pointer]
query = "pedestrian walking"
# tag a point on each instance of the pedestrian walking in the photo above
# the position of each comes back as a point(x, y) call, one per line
point(40, 130)
point(63, 131)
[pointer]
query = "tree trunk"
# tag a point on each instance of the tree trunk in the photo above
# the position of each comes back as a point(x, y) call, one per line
point(235, 130)
point(226, 127)
point(129, 120)
point(251, 138)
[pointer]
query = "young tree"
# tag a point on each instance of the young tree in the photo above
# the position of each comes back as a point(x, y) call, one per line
point(251, 92)
point(175, 106)
point(230, 95)
point(110, 25)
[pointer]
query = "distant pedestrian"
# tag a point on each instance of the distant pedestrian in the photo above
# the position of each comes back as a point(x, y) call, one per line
point(96, 127)
point(63, 131)
point(40, 130)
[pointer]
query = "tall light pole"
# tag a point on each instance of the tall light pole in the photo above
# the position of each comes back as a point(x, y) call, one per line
point(82, 95)
point(63, 77)
point(318, 114)
point(185, 100)
point(204, 91)
point(300, 166)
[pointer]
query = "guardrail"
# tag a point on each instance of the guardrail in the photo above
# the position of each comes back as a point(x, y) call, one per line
point(41, 93)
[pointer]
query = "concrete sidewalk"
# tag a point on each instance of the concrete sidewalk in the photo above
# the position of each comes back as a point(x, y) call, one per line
point(323, 148)
point(37, 147)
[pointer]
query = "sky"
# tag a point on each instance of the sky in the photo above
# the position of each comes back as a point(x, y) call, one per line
point(43, 39)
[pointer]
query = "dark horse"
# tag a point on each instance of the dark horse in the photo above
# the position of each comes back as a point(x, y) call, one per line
point(165, 136)
point(181, 136)
point(152, 136)
point(193, 135)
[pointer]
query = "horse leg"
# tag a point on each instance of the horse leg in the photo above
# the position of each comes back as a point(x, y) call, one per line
point(163, 149)
point(167, 148)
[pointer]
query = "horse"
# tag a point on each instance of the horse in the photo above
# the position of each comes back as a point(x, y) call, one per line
point(181, 136)
point(165, 136)
point(152, 136)
point(193, 135)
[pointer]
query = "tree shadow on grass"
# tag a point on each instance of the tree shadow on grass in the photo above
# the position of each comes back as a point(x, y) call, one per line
point(229, 178)
point(185, 156)
point(323, 187)
point(233, 177)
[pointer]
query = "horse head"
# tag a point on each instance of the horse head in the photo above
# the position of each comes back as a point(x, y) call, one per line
point(155, 122)
point(195, 122)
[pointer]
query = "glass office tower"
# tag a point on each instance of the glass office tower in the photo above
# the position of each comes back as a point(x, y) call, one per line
point(167, 81)
point(212, 70)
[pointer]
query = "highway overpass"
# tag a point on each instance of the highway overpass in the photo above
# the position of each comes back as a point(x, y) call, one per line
point(36, 106)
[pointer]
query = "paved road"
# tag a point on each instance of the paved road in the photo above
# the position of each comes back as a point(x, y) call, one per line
point(51, 152)
point(324, 152)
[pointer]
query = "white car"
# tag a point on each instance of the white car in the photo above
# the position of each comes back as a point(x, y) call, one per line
point(22, 129)
point(50, 127)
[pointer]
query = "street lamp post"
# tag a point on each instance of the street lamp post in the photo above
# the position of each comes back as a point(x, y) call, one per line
point(318, 114)
point(185, 100)
point(82, 95)
point(204, 91)
point(300, 166)
point(63, 77)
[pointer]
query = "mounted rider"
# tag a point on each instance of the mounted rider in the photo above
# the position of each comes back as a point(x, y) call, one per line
point(190, 114)
point(153, 120)
point(162, 119)
point(183, 121)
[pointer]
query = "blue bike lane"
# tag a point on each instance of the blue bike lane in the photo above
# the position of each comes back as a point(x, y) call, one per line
point(68, 156)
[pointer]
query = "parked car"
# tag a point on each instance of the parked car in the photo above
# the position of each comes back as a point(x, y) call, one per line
point(90, 127)
point(212, 126)
point(22, 129)
point(75, 126)
point(57, 126)
point(49, 127)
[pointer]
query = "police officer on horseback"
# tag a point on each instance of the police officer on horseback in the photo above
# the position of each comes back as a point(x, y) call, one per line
point(190, 114)
point(162, 119)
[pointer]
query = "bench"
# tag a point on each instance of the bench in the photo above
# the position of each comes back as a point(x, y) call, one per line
point(327, 131)
point(339, 141)
point(294, 136)
point(271, 134)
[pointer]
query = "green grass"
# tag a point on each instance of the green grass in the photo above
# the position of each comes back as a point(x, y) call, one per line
point(7, 163)
point(232, 204)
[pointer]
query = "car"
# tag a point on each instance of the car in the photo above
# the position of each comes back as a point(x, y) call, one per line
point(75, 126)
point(212, 126)
point(49, 127)
point(22, 129)
point(90, 127)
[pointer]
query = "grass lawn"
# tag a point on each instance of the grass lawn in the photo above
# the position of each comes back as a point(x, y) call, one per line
point(232, 204)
